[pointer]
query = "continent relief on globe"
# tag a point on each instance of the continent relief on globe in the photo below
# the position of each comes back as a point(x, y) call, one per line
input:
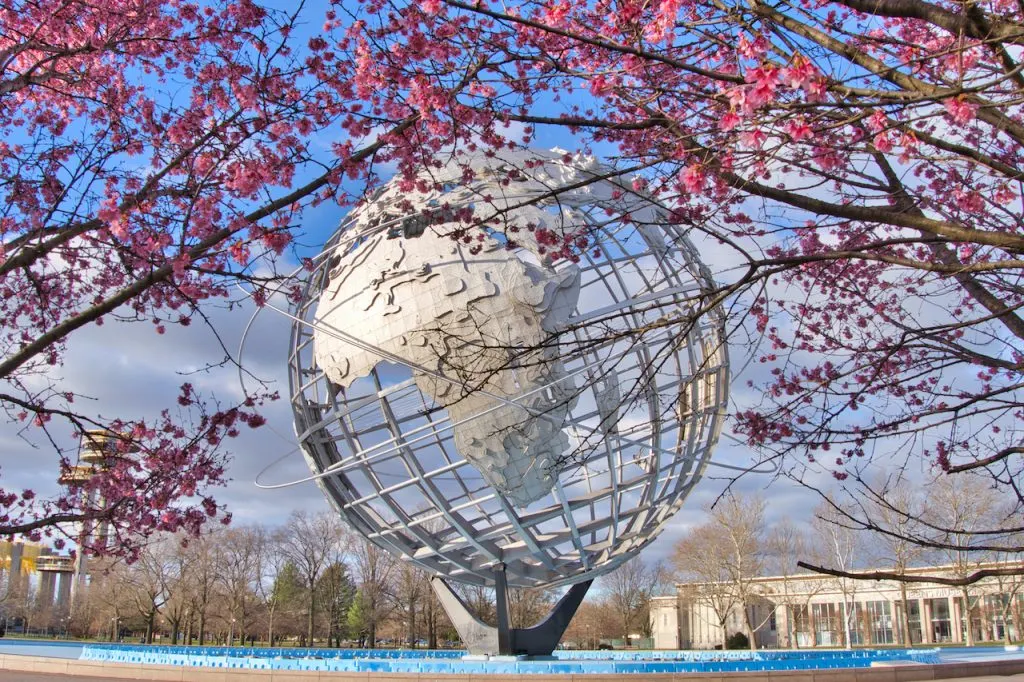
point(473, 327)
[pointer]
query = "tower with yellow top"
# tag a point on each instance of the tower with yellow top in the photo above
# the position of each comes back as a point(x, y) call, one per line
point(96, 451)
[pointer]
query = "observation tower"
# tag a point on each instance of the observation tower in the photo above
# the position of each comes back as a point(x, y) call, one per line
point(97, 448)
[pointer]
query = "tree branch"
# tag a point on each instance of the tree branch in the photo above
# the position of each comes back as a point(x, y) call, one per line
point(900, 577)
point(197, 252)
point(992, 459)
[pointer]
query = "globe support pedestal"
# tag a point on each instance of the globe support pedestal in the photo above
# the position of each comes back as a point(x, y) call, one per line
point(504, 640)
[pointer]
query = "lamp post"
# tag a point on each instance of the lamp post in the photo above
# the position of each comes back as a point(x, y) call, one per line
point(113, 629)
point(231, 632)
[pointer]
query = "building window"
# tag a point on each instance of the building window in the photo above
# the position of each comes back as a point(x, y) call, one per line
point(940, 625)
point(802, 626)
point(827, 624)
point(914, 616)
point(879, 621)
point(994, 610)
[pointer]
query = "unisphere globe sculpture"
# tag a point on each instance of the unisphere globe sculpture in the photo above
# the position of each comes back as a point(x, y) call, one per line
point(540, 394)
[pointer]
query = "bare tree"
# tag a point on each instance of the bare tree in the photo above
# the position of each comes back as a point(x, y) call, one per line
point(480, 600)
point(238, 559)
point(961, 506)
point(742, 522)
point(726, 554)
point(178, 609)
point(149, 580)
point(411, 588)
point(375, 570)
point(434, 617)
point(901, 511)
point(838, 545)
point(595, 620)
point(310, 542)
point(271, 563)
point(526, 606)
point(200, 565)
point(110, 601)
point(628, 590)
point(700, 559)
point(785, 544)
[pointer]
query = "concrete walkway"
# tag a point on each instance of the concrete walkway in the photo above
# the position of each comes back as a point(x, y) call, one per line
point(15, 676)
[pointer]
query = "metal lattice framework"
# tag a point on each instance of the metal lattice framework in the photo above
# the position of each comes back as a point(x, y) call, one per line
point(384, 450)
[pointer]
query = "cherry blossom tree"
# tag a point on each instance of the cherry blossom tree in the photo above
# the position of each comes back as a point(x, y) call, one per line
point(852, 167)
point(153, 154)
point(134, 139)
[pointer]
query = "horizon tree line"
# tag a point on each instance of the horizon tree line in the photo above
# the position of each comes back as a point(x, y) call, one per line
point(308, 582)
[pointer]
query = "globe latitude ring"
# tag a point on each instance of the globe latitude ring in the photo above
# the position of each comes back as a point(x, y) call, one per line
point(477, 405)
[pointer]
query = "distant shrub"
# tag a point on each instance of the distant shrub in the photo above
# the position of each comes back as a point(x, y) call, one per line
point(737, 640)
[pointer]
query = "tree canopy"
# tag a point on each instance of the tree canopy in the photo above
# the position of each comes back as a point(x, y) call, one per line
point(855, 166)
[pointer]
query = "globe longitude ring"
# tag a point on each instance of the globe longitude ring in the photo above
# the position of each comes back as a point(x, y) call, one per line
point(538, 394)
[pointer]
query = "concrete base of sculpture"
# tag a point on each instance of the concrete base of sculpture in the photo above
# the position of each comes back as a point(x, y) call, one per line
point(503, 640)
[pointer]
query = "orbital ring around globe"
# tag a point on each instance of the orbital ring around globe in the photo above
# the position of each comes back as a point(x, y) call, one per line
point(472, 401)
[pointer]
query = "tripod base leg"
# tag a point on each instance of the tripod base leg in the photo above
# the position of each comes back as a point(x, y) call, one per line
point(481, 638)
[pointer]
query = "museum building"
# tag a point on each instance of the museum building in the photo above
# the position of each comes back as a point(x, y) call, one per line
point(808, 610)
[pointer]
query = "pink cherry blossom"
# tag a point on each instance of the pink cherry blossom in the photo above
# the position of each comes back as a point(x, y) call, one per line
point(961, 110)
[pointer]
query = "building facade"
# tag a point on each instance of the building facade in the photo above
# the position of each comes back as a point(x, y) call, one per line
point(809, 610)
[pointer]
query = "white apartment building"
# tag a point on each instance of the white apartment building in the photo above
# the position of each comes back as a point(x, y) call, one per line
point(810, 610)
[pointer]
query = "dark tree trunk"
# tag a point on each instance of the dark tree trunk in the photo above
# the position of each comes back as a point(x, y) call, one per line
point(431, 615)
point(412, 625)
point(908, 639)
point(310, 618)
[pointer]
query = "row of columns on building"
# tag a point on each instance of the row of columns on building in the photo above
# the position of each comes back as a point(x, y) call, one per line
point(57, 576)
point(927, 629)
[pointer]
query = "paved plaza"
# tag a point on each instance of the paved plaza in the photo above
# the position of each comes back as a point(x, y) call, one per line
point(17, 676)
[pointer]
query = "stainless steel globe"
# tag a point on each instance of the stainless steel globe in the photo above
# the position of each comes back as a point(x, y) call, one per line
point(541, 393)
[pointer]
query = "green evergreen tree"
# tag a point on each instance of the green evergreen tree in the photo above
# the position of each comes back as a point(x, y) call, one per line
point(287, 596)
point(335, 595)
point(358, 618)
